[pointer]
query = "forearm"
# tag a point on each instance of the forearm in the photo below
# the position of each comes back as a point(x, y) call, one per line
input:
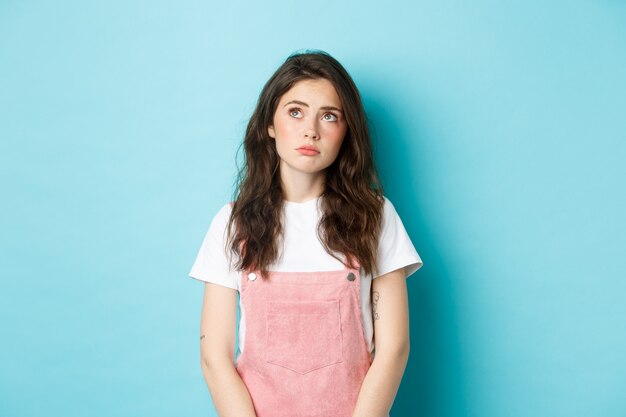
point(380, 385)
point(230, 395)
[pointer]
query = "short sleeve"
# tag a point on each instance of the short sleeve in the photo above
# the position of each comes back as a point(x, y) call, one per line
point(395, 249)
point(211, 264)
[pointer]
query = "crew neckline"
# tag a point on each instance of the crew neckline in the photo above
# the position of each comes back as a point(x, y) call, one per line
point(301, 204)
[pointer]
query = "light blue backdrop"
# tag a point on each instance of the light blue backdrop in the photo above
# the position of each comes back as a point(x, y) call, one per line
point(501, 131)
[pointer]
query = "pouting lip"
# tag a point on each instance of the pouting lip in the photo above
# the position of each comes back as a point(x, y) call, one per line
point(309, 148)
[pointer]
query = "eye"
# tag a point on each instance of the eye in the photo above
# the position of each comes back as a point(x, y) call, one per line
point(295, 112)
point(331, 117)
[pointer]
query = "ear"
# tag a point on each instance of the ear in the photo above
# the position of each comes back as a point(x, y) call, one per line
point(270, 131)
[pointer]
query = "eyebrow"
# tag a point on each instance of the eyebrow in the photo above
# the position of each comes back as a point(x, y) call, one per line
point(302, 103)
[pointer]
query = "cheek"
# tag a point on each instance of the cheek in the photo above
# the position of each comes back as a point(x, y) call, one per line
point(283, 129)
point(335, 136)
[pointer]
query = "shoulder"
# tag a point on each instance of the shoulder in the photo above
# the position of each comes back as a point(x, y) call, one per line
point(220, 221)
point(388, 204)
point(389, 212)
point(223, 214)
point(395, 248)
point(212, 261)
point(392, 229)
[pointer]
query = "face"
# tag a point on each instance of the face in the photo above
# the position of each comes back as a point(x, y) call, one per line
point(309, 115)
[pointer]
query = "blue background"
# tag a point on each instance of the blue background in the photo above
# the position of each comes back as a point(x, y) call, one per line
point(500, 137)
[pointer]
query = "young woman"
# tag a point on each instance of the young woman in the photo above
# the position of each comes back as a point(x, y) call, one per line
point(317, 255)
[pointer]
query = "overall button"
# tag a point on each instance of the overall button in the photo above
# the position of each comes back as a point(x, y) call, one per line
point(251, 276)
point(351, 276)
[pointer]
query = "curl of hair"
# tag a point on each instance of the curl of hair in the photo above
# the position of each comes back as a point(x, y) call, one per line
point(352, 202)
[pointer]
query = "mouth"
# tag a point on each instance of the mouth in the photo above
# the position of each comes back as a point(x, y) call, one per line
point(308, 150)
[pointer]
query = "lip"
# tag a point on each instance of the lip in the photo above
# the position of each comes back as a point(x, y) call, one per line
point(308, 148)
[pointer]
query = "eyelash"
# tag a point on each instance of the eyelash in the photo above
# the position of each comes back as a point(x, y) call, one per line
point(334, 115)
point(293, 109)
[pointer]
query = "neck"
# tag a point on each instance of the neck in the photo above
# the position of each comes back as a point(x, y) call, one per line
point(300, 186)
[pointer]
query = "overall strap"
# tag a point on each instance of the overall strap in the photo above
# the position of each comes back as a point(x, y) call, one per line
point(354, 259)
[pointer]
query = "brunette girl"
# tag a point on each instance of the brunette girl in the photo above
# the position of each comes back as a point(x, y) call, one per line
point(313, 254)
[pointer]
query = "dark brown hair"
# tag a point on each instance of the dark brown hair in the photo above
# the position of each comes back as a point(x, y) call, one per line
point(352, 202)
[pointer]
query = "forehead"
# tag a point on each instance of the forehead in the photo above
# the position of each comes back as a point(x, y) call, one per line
point(313, 91)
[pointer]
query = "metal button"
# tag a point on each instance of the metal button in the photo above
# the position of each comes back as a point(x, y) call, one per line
point(251, 276)
point(351, 276)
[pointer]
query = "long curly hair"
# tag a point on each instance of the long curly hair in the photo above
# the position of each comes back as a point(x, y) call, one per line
point(352, 202)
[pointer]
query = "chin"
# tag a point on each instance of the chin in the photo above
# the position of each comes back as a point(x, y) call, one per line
point(308, 168)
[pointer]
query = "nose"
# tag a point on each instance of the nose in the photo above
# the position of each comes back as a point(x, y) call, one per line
point(311, 133)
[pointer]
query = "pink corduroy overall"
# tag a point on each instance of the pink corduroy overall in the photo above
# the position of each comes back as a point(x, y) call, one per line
point(305, 351)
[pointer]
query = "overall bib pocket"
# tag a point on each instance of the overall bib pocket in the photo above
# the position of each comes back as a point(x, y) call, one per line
point(303, 336)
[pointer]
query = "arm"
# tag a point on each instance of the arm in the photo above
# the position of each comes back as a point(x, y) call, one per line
point(217, 343)
point(391, 338)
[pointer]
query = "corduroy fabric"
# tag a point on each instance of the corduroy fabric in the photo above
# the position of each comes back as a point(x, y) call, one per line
point(306, 353)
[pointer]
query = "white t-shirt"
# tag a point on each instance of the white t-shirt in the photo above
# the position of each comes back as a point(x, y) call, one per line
point(303, 251)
